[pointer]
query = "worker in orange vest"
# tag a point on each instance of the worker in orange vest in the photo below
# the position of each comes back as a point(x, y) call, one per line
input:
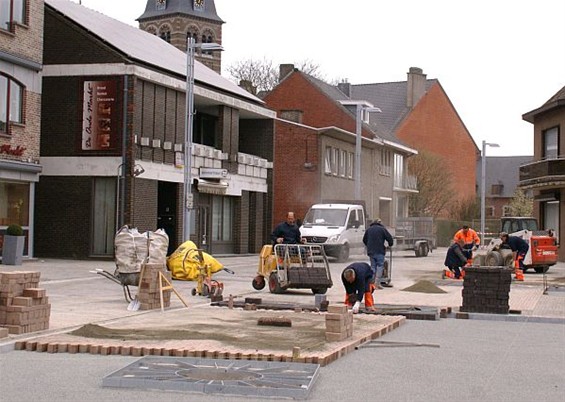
point(470, 239)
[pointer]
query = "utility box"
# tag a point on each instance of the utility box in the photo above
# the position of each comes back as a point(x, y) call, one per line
point(486, 290)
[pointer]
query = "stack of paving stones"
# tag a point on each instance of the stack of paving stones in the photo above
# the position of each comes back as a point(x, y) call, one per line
point(309, 276)
point(486, 290)
point(339, 323)
point(148, 293)
point(23, 306)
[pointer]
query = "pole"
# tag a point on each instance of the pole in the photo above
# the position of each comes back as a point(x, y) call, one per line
point(188, 127)
point(483, 180)
point(358, 152)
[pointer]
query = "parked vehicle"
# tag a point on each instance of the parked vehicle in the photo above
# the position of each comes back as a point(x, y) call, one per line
point(543, 245)
point(338, 227)
point(415, 233)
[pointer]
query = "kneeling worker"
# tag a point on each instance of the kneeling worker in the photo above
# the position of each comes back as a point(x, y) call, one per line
point(455, 259)
point(357, 280)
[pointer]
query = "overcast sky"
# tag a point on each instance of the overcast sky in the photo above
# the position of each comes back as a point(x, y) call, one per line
point(496, 59)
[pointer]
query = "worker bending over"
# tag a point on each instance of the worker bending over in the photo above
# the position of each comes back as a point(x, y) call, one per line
point(357, 280)
point(455, 260)
point(471, 241)
point(519, 249)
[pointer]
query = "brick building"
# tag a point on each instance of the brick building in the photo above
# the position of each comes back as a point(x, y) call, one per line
point(315, 147)
point(545, 176)
point(419, 113)
point(176, 20)
point(21, 57)
point(114, 107)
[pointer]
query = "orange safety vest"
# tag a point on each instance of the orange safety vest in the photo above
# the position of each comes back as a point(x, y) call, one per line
point(470, 238)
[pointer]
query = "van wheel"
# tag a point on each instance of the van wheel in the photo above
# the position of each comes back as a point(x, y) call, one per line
point(343, 253)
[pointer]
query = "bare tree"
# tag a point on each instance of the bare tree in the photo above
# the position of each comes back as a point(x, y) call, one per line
point(262, 75)
point(435, 188)
point(521, 205)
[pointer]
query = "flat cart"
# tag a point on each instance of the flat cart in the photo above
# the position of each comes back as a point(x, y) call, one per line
point(296, 266)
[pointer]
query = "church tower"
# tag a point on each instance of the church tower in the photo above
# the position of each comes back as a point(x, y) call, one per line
point(176, 20)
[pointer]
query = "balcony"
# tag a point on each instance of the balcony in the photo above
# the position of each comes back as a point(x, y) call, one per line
point(544, 174)
point(406, 183)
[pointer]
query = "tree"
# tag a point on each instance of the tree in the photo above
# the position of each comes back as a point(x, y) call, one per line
point(435, 188)
point(521, 205)
point(263, 75)
point(466, 210)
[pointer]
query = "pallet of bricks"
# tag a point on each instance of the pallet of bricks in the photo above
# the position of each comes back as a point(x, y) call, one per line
point(149, 290)
point(24, 307)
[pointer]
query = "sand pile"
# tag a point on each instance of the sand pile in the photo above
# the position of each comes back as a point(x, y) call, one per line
point(424, 287)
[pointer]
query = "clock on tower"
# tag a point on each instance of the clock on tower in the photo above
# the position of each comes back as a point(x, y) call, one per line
point(160, 4)
point(198, 4)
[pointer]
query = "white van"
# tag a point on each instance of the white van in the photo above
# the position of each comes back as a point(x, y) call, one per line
point(339, 227)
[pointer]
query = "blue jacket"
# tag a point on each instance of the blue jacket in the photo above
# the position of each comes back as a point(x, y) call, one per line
point(290, 233)
point(518, 244)
point(455, 256)
point(375, 237)
point(363, 276)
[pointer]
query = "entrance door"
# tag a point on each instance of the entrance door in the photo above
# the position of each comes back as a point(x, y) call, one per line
point(204, 228)
point(166, 209)
point(103, 216)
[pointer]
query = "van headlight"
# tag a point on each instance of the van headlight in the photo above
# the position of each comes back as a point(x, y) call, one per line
point(333, 239)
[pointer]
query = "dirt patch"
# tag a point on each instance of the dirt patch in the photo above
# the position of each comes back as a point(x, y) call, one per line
point(424, 287)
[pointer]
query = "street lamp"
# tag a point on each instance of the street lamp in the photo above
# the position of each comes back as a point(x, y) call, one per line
point(360, 109)
point(187, 199)
point(483, 184)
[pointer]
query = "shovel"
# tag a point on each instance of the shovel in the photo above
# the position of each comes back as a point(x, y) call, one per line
point(134, 305)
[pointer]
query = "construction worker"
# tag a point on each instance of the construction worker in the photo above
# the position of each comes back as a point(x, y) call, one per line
point(455, 260)
point(471, 241)
point(287, 232)
point(374, 239)
point(357, 280)
point(519, 249)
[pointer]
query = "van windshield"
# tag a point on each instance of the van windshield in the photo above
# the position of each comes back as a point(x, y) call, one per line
point(326, 217)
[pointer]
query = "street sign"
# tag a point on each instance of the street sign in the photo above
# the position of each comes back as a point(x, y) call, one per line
point(189, 201)
point(213, 173)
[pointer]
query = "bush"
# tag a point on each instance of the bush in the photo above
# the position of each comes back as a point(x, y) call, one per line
point(15, 230)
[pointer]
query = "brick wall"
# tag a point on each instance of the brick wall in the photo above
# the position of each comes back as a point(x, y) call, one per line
point(26, 41)
point(63, 231)
point(145, 204)
point(434, 126)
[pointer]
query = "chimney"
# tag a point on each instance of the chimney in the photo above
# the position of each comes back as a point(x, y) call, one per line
point(416, 87)
point(345, 87)
point(248, 86)
point(284, 70)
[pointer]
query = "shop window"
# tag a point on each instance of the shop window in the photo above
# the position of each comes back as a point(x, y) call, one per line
point(14, 203)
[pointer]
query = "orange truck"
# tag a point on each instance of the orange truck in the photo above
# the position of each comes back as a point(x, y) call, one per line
point(543, 245)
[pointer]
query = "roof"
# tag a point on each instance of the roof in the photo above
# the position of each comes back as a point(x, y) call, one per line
point(143, 47)
point(390, 97)
point(181, 7)
point(555, 101)
point(335, 94)
point(504, 170)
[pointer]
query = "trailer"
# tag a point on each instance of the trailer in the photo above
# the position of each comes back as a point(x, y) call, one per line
point(415, 233)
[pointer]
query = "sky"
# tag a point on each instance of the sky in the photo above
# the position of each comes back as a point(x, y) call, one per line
point(495, 59)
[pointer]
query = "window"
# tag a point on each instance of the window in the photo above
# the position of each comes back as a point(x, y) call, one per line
point(349, 168)
point(222, 218)
point(342, 162)
point(328, 161)
point(12, 12)
point(506, 210)
point(11, 94)
point(14, 203)
point(335, 161)
point(550, 143)
point(386, 159)
point(166, 36)
point(489, 212)
point(398, 171)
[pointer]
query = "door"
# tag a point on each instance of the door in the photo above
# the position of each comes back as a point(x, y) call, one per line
point(103, 216)
point(166, 208)
point(204, 228)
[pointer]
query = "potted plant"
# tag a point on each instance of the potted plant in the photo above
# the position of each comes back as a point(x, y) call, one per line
point(13, 247)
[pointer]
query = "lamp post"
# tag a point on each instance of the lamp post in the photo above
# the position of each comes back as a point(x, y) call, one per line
point(187, 198)
point(483, 185)
point(358, 131)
